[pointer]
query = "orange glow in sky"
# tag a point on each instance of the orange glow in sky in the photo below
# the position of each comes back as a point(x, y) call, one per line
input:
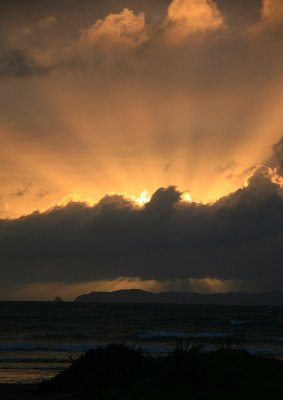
point(122, 98)
point(127, 105)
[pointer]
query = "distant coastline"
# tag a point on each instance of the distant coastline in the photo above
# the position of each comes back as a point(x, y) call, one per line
point(140, 296)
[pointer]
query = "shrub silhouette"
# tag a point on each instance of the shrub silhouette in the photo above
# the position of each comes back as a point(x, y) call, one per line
point(99, 369)
point(120, 372)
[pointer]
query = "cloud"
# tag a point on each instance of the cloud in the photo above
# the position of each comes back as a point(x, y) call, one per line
point(22, 63)
point(262, 185)
point(47, 22)
point(184, 17)
point(270, 23)
point(26, 51)
point(202, 103)
point(126, 40)
point(115, 33)
point(124, 29)
point(20, 192)
point(272, 11)
point(189, 17)
point(206, 101)
point(278, 156)
point(110, 43)
point(275, 160)
point(237, 238)
point(115, 39)
point(39, 291)
point(42, 193)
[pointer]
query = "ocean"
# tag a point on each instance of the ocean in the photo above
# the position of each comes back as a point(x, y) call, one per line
point(39, 339)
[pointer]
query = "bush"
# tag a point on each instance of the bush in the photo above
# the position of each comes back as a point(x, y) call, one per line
point(100, 369)
point(120, 372)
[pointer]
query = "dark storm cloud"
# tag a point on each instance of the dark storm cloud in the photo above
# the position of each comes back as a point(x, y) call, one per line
point(238, 237)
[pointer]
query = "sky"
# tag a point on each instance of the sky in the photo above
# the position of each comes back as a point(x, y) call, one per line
point(141, 146)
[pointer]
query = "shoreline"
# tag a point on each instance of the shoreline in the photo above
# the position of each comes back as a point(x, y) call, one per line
point(117, 372)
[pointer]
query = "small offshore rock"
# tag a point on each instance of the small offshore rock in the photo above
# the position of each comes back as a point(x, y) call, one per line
point(58, 299)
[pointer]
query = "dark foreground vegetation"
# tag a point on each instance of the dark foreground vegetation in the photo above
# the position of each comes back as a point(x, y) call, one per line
point(120, 372)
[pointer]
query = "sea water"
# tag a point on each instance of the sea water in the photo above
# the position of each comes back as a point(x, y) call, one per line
point(39, 339)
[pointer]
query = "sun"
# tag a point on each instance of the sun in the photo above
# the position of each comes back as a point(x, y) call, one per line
point(186, 197)
point(143, 198)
